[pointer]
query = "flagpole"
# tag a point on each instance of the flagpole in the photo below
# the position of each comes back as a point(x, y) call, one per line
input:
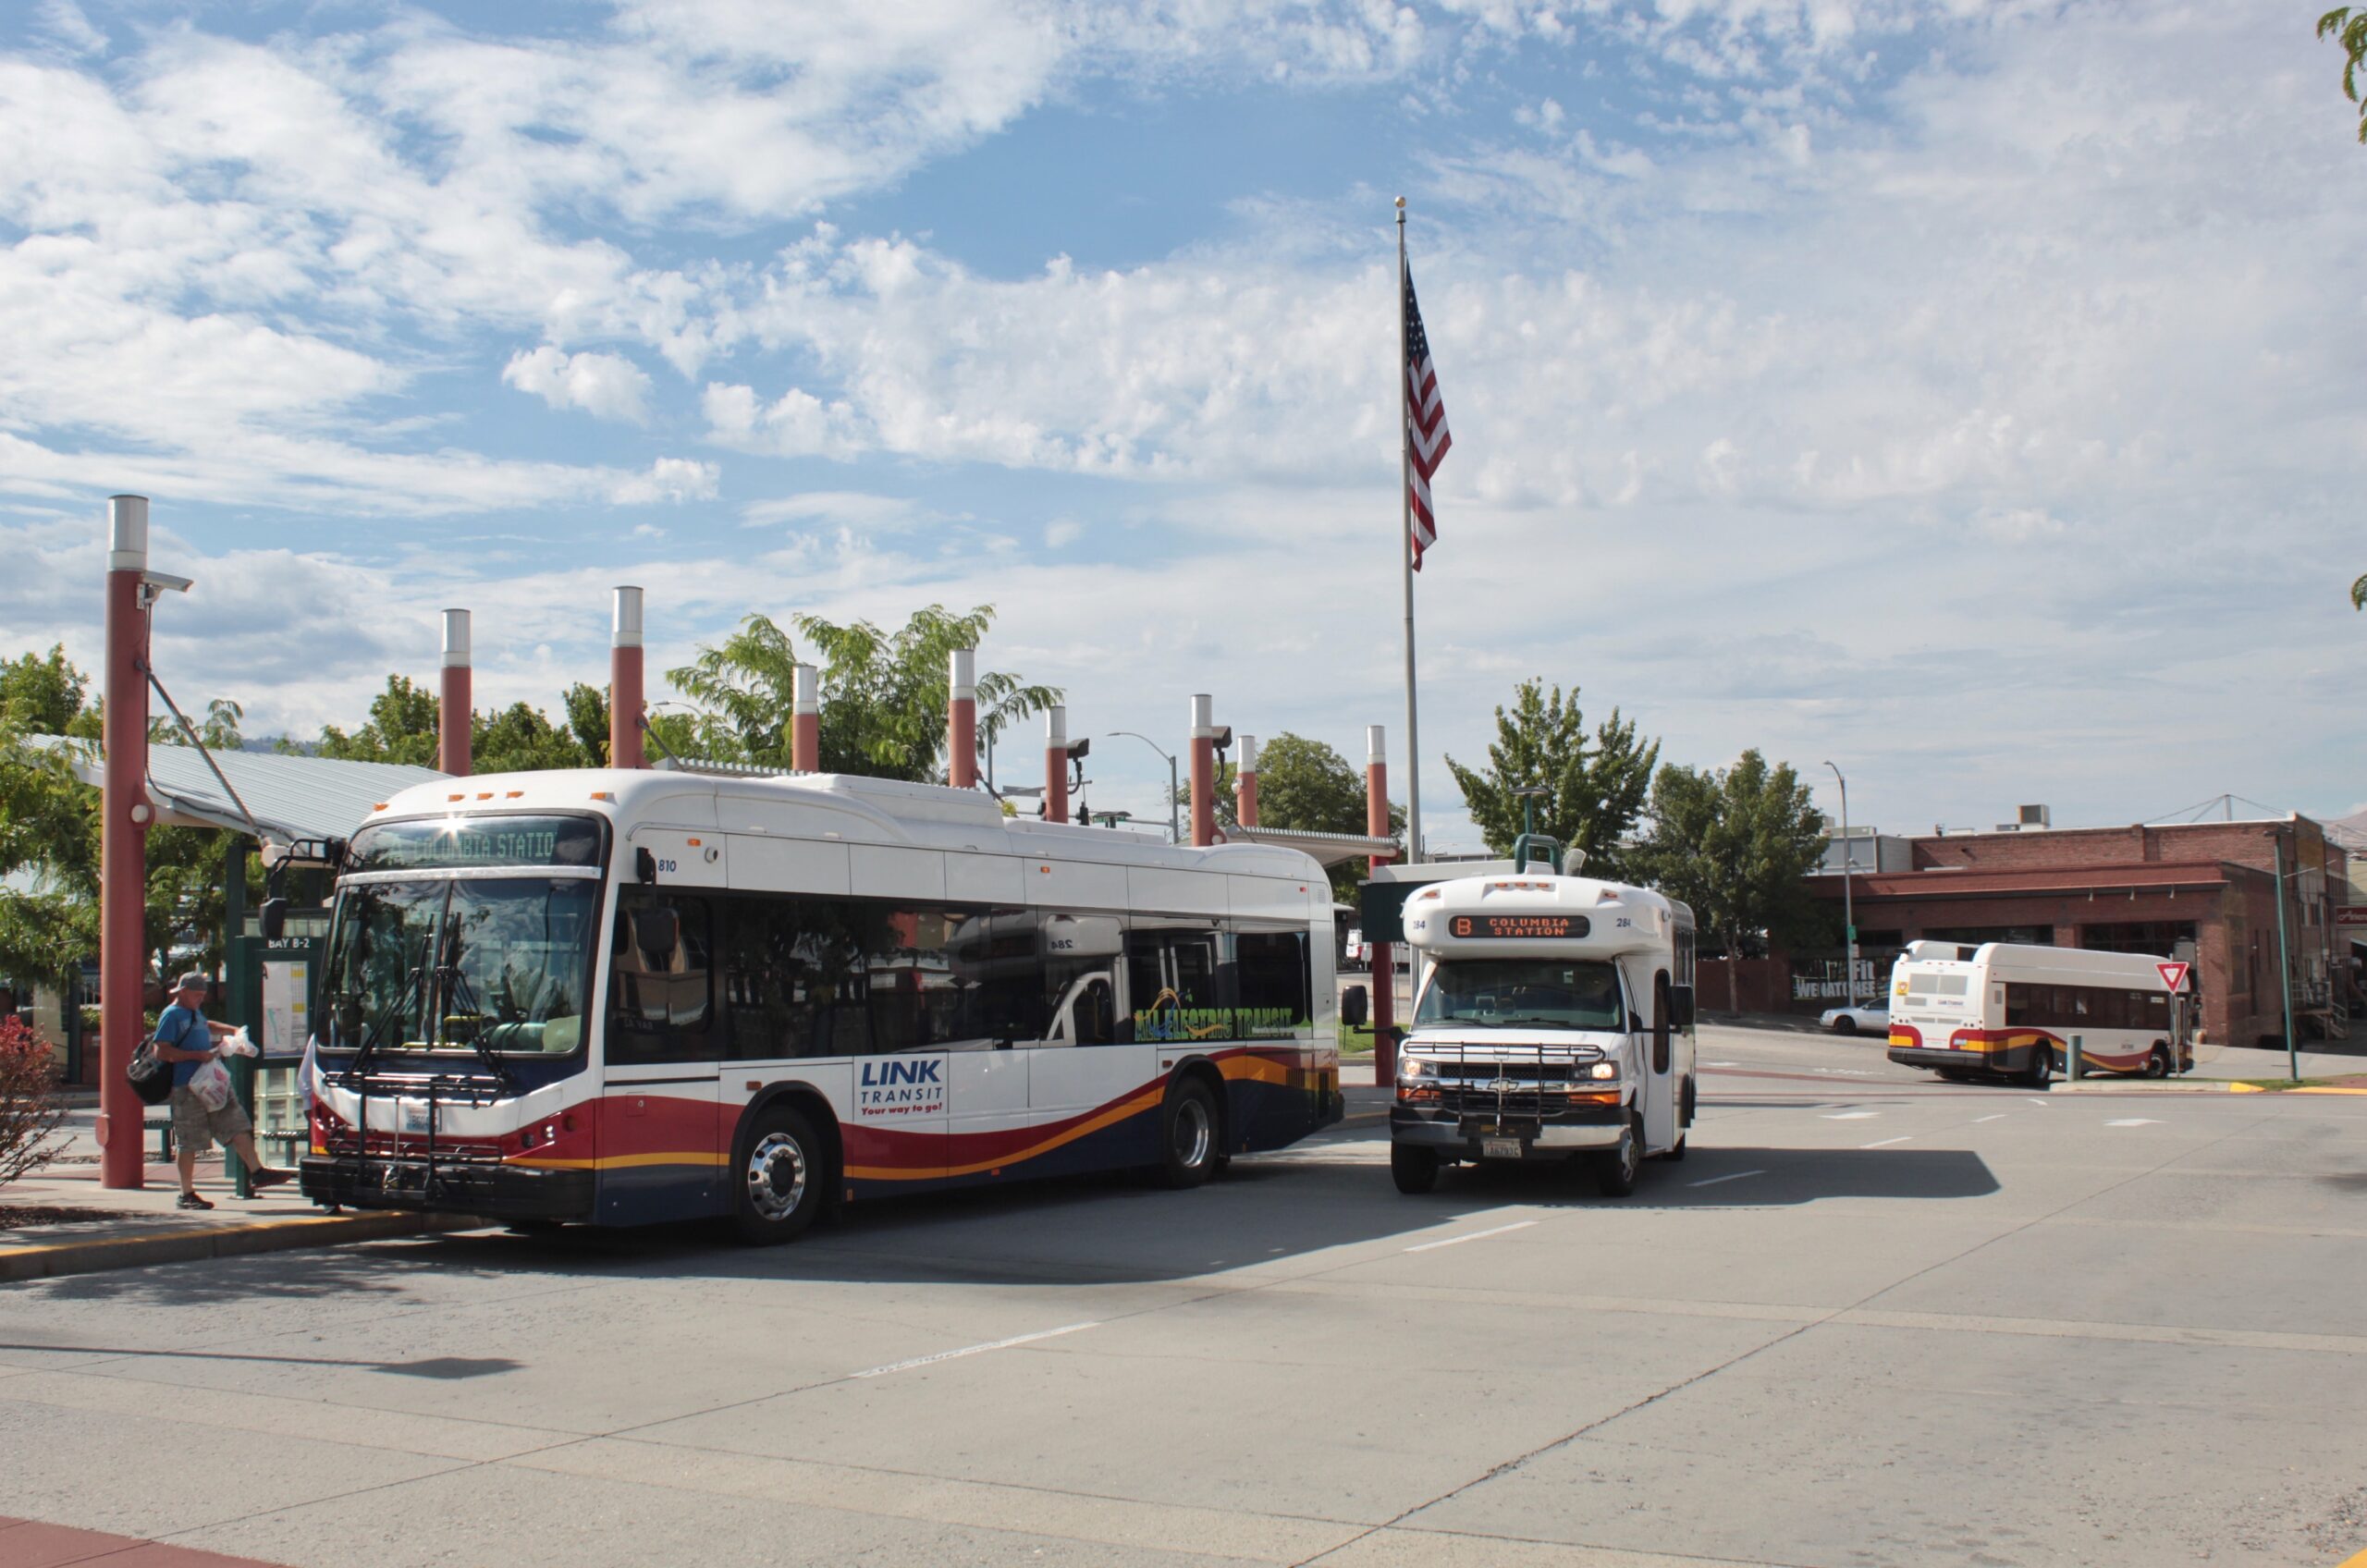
point(1405, 557)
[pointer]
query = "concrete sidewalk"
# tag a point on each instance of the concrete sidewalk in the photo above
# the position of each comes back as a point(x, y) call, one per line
point(139, 1226)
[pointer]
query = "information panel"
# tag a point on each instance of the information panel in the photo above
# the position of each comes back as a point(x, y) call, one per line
point(1503, 928)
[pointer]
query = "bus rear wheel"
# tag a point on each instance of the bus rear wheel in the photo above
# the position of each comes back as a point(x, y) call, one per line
point(2158, 1064)
point(1188, 1140)
point(778, 1180)
point(2041, 1068)
point(1412, 1168)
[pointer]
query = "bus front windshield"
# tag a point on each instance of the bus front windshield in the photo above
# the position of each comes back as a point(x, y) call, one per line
point(1524, 993)
point(499, 964)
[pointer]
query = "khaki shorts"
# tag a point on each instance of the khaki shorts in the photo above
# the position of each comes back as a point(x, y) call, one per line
point(194, 1127)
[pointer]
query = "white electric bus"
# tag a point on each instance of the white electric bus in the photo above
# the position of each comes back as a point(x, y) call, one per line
point(1556, 1021)
point(2012, 1009)
point(627, 998)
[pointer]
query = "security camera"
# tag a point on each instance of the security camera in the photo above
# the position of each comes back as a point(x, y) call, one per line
point(166, 580)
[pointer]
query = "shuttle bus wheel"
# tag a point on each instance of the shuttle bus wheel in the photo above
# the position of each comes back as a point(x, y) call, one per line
point(2158, 1064)
point(1615, 1169)
point(1412, 1168)
point(778, 1180)
point(1188, 1137)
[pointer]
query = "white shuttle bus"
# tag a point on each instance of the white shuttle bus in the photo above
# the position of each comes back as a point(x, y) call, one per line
point(2012, 1009)
point(629, 997)
point(1556, 1021)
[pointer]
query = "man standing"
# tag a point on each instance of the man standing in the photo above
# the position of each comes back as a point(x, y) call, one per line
point(185, 1038)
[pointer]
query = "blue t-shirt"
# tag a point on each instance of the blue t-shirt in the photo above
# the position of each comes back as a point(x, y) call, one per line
point(185, 1028)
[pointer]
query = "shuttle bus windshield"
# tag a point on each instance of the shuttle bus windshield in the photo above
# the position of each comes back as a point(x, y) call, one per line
point(1524, 993)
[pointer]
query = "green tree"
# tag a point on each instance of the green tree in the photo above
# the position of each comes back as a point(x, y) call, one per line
point(401, 728)
point(884, 694)
point(1735, 844)
point(41, 694)
point(2348, 26)
point(1594, 794)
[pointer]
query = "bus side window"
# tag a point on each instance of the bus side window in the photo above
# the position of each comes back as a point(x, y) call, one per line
point(1661, 1055)
point(661, 985)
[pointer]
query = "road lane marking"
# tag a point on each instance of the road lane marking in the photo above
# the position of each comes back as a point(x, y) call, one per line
point(2035, 1100)
point(1735, 1177)
point(1851, 1115)
point(1476, 1235)
point(1887, 1142)
point(2134, 1121)
point(1978, 1119)
point(976, 1350)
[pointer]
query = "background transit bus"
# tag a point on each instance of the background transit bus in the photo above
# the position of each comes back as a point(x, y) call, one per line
point(631, 996)
point(2013, 1009)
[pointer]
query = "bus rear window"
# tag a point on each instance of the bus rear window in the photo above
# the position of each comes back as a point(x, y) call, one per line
point(1924, 987)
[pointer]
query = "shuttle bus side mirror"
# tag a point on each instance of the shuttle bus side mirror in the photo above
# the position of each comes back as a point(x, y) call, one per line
point(1680, 1006)
point(1356, 1007)
point(273, 919)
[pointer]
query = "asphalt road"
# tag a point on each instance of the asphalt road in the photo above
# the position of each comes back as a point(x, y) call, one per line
point(1872, 1320)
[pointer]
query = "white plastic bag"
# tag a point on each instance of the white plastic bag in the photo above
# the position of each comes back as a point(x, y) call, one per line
point(211, 1085)
point(236, 1043)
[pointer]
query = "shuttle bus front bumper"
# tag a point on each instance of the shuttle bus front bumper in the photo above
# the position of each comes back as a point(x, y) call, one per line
point(1551, 1135)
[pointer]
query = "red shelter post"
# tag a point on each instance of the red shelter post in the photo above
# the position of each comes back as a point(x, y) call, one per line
point(453, 711)
point(962, 721)
point(1056, 764)
point(1204, 771)
point(625, 691)
point(805, 720)
point(1245, 790)
point(1384, 955)
point(123, 850)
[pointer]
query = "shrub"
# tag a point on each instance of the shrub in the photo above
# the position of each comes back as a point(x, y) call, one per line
point(30, 1111)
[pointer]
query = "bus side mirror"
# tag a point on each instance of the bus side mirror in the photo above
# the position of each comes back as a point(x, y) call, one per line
point(1356, 1007)
point(273, 918)
point(1680, 1007)
point(645, 865)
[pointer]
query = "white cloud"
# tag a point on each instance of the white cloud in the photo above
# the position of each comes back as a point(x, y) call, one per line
point(605, 385)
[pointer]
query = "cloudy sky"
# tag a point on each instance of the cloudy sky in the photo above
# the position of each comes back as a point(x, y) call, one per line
point(1966, 392)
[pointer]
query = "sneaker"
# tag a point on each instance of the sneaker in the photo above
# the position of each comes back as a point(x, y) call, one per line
point(266, 1177)
point(191, 1200)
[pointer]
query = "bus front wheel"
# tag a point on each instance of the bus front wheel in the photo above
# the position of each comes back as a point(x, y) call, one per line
point(1188, 1138)
point(1412, 1168)
point(2158, 1064)
point(779, 1179)
point(1615, 1169)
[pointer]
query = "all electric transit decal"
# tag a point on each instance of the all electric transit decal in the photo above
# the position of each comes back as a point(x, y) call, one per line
point(1169, 1019)
point(896, 1086)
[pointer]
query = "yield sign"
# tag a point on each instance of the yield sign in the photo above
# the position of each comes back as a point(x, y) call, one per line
point(2172, 975)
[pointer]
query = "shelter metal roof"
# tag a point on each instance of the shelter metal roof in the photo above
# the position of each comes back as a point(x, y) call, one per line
point(1328, 849)
point(293, 797)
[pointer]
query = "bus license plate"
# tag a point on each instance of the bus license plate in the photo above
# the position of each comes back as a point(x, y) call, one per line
point(1500, 1148)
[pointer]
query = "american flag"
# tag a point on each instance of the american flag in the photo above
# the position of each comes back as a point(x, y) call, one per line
point(1427, 439)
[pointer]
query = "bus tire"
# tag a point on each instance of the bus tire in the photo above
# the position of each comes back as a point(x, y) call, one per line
point(1189, 1135)
point(779, 1179)
point(2041, 1070)
point(2158, 1064)
point(1615, 1169)
point(1412, 1168)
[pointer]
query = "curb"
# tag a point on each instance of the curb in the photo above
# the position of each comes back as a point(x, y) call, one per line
point(46, 1260)
point(2144, 1087)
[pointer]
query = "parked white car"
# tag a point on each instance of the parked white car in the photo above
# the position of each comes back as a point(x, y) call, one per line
point(1856, 1019)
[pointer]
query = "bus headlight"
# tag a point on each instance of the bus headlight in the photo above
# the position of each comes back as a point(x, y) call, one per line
point(1411, 1068)
point(1603, 1071)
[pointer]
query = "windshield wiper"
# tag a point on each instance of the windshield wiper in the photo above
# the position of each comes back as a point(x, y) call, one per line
point(457, 982)
point(368, 1043)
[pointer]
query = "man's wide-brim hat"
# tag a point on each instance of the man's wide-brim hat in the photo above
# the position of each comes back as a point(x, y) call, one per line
point(193, 981)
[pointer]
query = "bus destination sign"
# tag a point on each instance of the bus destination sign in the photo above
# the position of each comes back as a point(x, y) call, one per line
point(1502, 927)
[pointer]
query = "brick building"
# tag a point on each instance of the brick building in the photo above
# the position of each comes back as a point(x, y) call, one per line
point(2205, 890)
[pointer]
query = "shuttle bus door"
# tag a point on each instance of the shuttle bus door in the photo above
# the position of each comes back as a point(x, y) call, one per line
point(1660, 1085)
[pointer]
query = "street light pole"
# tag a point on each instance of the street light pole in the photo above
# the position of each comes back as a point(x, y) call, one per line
point(1174, 784)
point(1848, 908)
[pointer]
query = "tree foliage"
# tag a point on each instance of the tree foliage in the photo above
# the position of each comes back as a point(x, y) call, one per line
point(1736, 845)
point(2346, 25)
point(404, 725)
point(884, 695)
point(1595, 790)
